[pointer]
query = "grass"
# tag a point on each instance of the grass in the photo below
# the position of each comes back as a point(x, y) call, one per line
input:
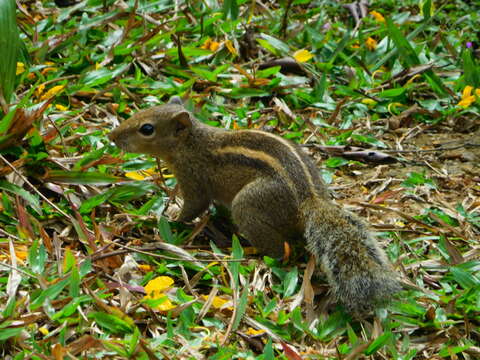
point(92, 264)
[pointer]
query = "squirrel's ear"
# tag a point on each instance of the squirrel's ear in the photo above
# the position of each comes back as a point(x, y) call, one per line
point(176, 100)
point(182, 120)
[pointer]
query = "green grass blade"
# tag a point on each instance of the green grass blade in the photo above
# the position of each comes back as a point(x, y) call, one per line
point(17, 190)
point(10, 45)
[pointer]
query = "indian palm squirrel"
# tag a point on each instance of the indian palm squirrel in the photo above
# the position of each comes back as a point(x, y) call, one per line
point(274, 193)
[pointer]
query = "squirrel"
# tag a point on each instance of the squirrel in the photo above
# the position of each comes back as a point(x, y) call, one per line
point(274, 192)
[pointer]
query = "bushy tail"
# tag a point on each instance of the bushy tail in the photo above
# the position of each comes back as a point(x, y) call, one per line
point(356, 268)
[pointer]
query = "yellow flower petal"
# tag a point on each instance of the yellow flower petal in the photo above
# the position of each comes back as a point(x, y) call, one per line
point(156, 286)
point(39, 90)
point(252, 331)
point(218, 302)
point(61, 107)
point(230, 47)
point(47, 69)
point(477, 92)
point(145, 267)
point(302, 55)
point(20, 68)
point(379, 17)
point(140, 174)
point(466, 101)
point(135, 175)
point(371, 44)
point(206, 44)
point(165, 305)
point(400, 223)
point(214, 45)
point(467, 91)
point(52, 92)
point(369, 102)
point(44, 330)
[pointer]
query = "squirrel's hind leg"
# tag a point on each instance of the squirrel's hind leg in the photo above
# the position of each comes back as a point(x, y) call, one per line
point(260, 212)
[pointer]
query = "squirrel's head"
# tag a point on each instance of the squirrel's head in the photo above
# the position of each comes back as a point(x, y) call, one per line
point(156, 131)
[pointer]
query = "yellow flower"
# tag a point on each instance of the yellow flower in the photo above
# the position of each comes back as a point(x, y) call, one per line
point(211, 45)
point(371, 44)
point(39, 90)
point(20, 68)
point(21, 253)
point(369, 102)
point(218, 302)
point(44, 330)
point(141, 174)
point(253, 332)
point(230, 47)
point(477, 92)
point(47, 69)
point(158, 285)
point(52, 92)
point(302, 55)
point(467, 97)
point(61, 107)
point(466, 102)
point(145, 268)
point(379, 17)
point(155, 291)
point(467, 91)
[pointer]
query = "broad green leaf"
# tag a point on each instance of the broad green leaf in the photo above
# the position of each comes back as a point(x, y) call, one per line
point(278, 45)
point(205, 73)
point(240, 92)
point(241, 307)
point(52, 292)
point(410, 57)
point(69, 261)
point(390, 93)
point(103, 75)
point(17, 190)
point(10, 332)
point(111, 323)
point(71, 307)
point(37, 256)
point(427, 9)
point(334, 324)
point(121, 193)
point(74, 290)
point(165, 231)
point(367, 139)
point(290, 282)
point(10, 44)
point(464, 278)
point(449, 351)
point(379, 342)
point(10, 307)
point(471, 70)
point(230, 9)
point(404, 48)
point(265, 73)
point(334, 162)
point(268, 353)
point(237, 254)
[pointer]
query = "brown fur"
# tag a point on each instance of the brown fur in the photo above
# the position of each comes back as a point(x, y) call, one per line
point(274, 193)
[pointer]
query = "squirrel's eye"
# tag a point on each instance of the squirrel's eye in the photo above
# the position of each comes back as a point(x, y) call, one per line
point(146, 129)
